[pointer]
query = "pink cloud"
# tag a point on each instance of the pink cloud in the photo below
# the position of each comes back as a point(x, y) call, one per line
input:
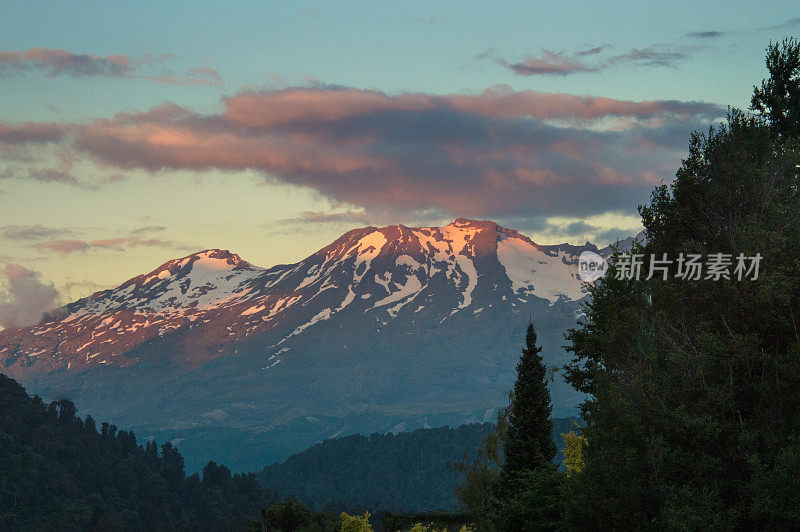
point(63, 247)
point(493, 153)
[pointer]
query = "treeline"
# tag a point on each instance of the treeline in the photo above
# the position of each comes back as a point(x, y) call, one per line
point(59, 472)
point(405, 472)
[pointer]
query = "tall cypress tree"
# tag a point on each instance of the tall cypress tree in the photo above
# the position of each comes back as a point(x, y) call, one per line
point(529, 444)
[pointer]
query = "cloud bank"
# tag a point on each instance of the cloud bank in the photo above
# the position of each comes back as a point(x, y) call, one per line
point(499, 152)
point(27, 297)
point(496, 153)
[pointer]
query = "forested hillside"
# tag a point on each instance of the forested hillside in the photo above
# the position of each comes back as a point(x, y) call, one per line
point(410, 471)
point(60, 473)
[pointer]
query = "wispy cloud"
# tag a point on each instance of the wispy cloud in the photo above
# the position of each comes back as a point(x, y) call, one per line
point(31, 232)
point(791, 23)
point(62, 62)
point(68, 246)
point(59, 62)
point(704, 34)
point(551, 63)
point(593, 51)
point(196, 76)
point(148, 229)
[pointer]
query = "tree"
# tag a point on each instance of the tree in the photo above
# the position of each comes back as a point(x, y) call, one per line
point(693, 415)
point(356, 523)
point(573, 452)
point(530, 501)
point(526, 496)
point(778, 98)
point(482, 473)
point(287, 516)
point(529, 443)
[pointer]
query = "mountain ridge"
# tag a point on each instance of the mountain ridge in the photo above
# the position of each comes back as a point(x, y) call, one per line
point(381, 327)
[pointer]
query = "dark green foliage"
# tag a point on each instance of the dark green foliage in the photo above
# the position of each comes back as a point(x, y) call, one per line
point(294, 516)
point(694, 417)
point(778, 98)
point(481, 474)
point(530, 500)
point(287, 516)
point(57, 472)
point(408, 472)
point(435, 520)
point(529, 443)
point(404, 472)
point(527, 493)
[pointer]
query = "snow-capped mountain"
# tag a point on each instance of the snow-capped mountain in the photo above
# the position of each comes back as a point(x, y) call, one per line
point(406, 323)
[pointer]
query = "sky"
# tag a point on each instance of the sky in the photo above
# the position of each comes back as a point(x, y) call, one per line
point(132, 133)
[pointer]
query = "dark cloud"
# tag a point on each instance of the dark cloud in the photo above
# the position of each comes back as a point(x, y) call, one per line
point(579, 227)
point(148, 229)
point(542, 228)
point(655, 55)
point(593, 51)
point(52, 175)
point(548, 63)
point(26, 298)
point(31, 133)
point(704, 34)
point(498, 152)
point(57, 62)
point(613, 235)
point(552, 63)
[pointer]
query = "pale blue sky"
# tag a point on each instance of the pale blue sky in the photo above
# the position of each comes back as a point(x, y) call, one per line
point(431, 48)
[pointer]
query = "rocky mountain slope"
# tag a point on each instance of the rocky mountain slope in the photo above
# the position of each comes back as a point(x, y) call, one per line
point(383, 328)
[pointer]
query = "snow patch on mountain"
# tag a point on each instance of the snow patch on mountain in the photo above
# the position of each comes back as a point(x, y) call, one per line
point(535, 272)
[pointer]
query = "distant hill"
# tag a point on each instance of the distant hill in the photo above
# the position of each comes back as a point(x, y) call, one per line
point(57, 472)
point(405, 472)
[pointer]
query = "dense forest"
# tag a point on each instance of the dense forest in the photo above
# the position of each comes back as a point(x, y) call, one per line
point(695, 412)
point(60, 472)
point(406, 472)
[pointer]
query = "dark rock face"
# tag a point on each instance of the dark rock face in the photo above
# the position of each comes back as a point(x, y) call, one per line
point(384, 326)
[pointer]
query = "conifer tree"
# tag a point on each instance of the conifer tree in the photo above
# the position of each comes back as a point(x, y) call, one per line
point(529, 443)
